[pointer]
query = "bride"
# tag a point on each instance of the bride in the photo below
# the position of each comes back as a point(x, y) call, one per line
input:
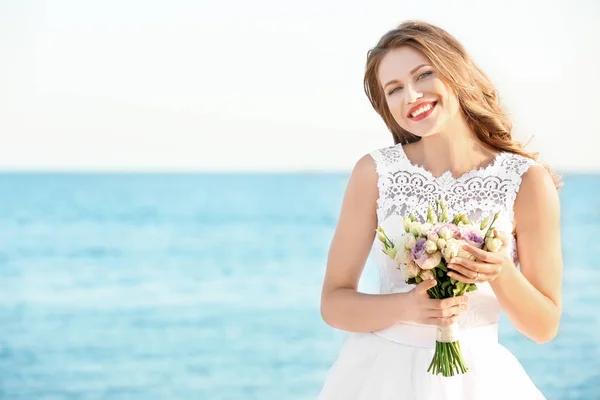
point(452, 141)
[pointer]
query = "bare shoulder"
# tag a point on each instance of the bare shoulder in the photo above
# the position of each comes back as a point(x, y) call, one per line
point(362, 185)
point(537, 196)
point(537, 185)
point(365, 168)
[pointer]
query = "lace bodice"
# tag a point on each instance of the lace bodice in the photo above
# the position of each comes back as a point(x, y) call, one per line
point(405, 188)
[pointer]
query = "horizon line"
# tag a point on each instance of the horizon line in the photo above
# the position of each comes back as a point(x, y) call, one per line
point(237, 170)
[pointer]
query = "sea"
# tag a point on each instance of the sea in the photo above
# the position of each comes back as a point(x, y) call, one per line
point(207, 286)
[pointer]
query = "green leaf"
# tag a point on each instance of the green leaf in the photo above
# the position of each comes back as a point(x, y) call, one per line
point(472, 288)
point(459, 288)
point(448, 292)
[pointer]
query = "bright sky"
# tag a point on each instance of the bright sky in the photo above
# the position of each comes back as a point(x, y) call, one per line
point(268, 84)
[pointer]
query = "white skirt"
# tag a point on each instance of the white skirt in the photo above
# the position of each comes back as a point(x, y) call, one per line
point(392, 364)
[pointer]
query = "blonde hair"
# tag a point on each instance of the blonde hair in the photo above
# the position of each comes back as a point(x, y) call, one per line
point(474, 90)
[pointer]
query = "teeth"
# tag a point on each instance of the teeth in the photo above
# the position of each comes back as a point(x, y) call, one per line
point(421, 110)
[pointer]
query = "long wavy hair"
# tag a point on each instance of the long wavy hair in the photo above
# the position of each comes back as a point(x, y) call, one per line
point(476, 94)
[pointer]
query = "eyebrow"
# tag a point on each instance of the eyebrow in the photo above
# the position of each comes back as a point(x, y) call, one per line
point(411, 72)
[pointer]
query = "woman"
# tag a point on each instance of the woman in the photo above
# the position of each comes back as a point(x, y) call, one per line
point(453, 141)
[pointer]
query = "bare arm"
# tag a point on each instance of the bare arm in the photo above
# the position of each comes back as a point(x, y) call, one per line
point(342, 306)
point(531, 297)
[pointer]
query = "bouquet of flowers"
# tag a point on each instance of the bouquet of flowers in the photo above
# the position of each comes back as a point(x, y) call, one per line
point(424, 251)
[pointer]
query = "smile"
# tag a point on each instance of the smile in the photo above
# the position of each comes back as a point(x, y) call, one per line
point(421, 111)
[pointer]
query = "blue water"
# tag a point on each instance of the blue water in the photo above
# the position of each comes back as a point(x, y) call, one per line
point(191, 286)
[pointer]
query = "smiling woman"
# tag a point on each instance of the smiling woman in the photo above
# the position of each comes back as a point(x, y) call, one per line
point(452, 142)
point(420, 80)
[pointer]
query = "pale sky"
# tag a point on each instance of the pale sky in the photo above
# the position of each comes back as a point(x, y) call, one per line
point(268, 85)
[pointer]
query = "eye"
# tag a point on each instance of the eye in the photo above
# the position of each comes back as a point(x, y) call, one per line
point(393, 90)
point(424, 74)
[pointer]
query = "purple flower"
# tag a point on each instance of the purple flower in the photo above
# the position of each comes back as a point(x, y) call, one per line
point(418, 251)
point(422, 258)
point(473, 237)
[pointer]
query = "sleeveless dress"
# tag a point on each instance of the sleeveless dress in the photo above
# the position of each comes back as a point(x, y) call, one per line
point(391, 364)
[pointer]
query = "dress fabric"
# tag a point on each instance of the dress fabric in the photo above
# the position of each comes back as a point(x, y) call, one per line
point(391, 364)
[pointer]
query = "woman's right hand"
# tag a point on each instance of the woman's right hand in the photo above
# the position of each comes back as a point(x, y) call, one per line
point(428, 311)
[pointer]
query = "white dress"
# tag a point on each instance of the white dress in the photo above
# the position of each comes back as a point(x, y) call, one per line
point(391, 364)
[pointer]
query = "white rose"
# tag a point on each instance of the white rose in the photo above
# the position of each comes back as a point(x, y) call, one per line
point(411, 242)
point(412, 269)
point(433, 236)
point(451, 249)
point(493, 244)
point(445, 233)
point(427, 274)
point(430, 247)
point(441, 243)
point(424, 229)
point(451, 242)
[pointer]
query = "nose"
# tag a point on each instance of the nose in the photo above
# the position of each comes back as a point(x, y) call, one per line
point(411, 94)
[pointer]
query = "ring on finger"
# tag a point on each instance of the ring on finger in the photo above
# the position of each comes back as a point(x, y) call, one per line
point(476, 276)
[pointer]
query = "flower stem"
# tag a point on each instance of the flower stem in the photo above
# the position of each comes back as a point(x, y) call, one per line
point(447, 360)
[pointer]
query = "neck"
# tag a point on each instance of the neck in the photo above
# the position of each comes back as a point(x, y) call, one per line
point(456, 149)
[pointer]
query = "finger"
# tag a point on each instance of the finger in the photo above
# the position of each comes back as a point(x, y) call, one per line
point(466, 272)
point(482, 277)
point(466, 279)
point(451, 311)
point(482, 255)
point(446, 311)
point(463, 264)
point(424, 286)
point(449, 302)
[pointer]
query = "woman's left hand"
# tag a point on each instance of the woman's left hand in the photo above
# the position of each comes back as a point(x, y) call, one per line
point(487, 265)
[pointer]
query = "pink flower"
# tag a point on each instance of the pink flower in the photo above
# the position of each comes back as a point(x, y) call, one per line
point(432, 261)
point(471, 236)
point(447, 231)
point(422, 258)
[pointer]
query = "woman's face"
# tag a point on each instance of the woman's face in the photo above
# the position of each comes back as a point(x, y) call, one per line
point(418, 99)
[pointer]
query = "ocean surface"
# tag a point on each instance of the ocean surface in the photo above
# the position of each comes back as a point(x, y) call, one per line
point(207, 286)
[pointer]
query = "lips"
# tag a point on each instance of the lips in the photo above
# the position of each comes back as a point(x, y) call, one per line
point(423, 114)
point(416, 107)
